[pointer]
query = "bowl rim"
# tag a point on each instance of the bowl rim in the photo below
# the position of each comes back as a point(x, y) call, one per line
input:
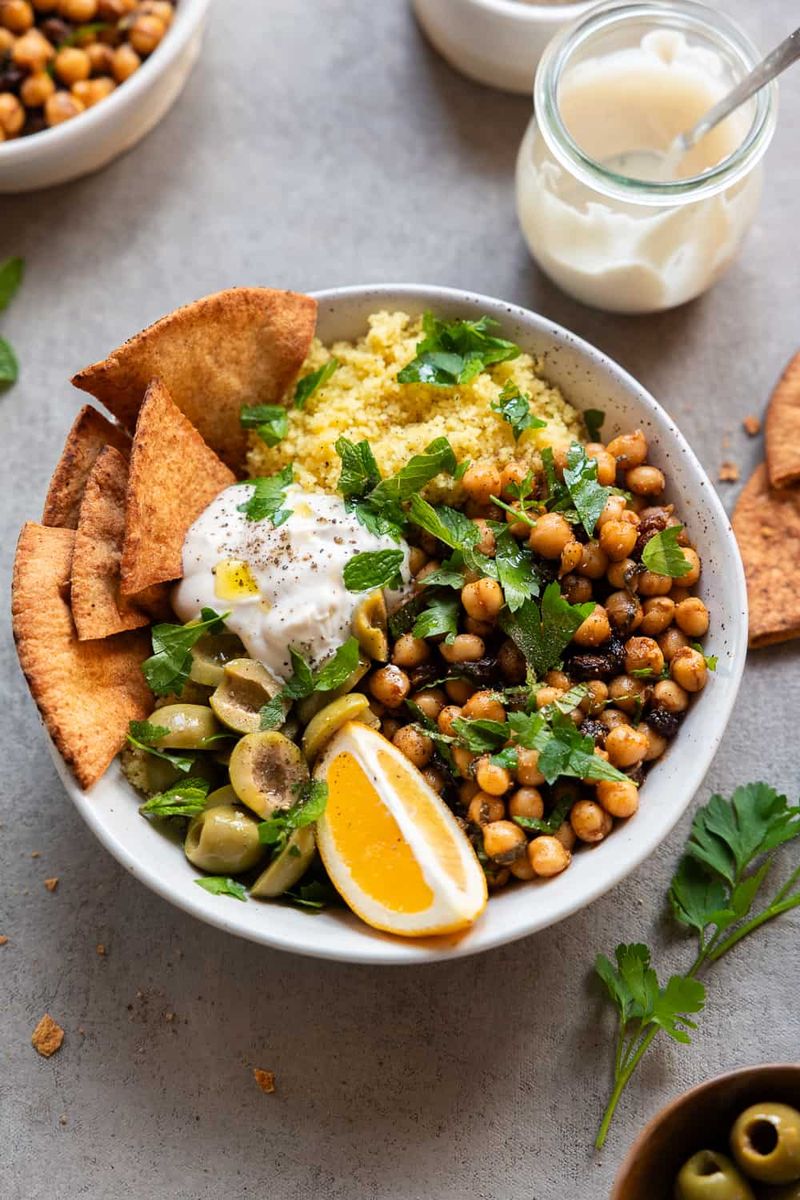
point(527, 13)
point(189, 16)
point(396, 951)
point(678, 1102)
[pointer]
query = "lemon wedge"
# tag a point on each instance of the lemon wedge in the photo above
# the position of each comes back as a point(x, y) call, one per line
point(390, 844)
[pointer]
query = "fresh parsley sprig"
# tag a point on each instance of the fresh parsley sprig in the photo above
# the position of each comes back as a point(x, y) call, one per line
point(663, 556)
point(514, 407)
point(440, 617)
point(304, 681)
point(453, 352)
point(11, 272)
point(312, 796)
point(731, 852)
point(168, 668)
point(377, 502)
point(543, 631)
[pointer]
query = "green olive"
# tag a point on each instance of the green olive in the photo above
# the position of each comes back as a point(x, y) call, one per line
point(711, 1176)
point(765, 1141)
point(245, 688)
point(308, 708)
point(266, 769)
point(210, 655)
point(189, 726)
point(223, 840)
point(222, 795)
point(150, 774)
point(370, 624)
point(331, 718)
point(190, 693)
point(288, 867)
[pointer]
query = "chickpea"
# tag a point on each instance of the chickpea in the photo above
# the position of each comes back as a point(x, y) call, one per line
point(656, 744)
point(491, 778)
point(571, 557)
point(482, 481)
point(618, 539)
point(484, 809)
point(627, 693)
point(126, 61)
point(466, 647)
point(595, 630)
point(146, 33)
point(547, 695)
point(518, 528)
point(158, 8)
point(671, 641)
point(92, 91)
point(590, 822)
point(576, 589)
point(45, 6)
point(522, 869)
point(651, 584)
point(467, 791)
point(657, 615)
point(414, 744)
point(595, 699)
point(435, 778)
point(612, 717)
point(36, 89)
point(486, 542)
point(496, 877)
point(624, 611)
point(614, 508)
point(626, 746)
point(594, 561)
point(678, 593)
point(79, 11)
point(417, 559)
point(482, 599)
point(643, 654)
point(671, 696)
point(32, 51)
point(410, 651)
point(431, 702)
point(390, 685)
point(691, 617)
point(101, 59)
point(528, 772)
point(688, 668)
point(463, 760)
point(448, 714)
point(629, 449)
point(484, 705)
point(511, 662)
point(558, 679)
point(72, 64)
point(548, 856)
point(526, 802)
point(645, 481)
point(16, 15)
point(430, 566)
point(693, 558)
point(566, 835)
point(512, 475)
point(606, 463)
point(550, 535)
point(12, 114)
point(7, 40)
point(503, 841)
point(624, 574)
point(389, 727)
point(617, 798)
point(459, 690)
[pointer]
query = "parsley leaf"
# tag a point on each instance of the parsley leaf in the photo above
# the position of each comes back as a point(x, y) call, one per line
point(711, 659)
point(453, 352)
point(270, 421)
point(220, 885)
point(447, 524)
point(728, 835)
point(563, 749)
point(333, 674)
point(9, 367)
point(315, 379)
point(313, 896)
point(419, 470)
point(450, 574)
point(268, 497)
point(11, 272)
point(309, 807)
point(663, 556)
point(441, 616)
point(514, 407)
point(516, 570)
point(168, 668)
point(593, 419)
point(542, 632)
point(373, 569)
point(184, 799)
point(378, 502)
point(304, 682)
point(141, 735)
point(633, 986)
point(554, 820)
point(481, 734)
point(580, 478)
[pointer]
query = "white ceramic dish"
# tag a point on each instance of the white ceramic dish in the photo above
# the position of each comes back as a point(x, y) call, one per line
point(117, 123)
point(588, 379)
point(498, 42)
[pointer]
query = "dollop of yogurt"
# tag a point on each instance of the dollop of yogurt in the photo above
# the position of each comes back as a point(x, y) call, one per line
point(282, 586)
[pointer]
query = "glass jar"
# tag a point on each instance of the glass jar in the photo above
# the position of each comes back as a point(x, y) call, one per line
point(632, 76)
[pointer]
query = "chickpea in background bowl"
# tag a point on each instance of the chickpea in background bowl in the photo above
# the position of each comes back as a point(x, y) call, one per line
point(61, 57)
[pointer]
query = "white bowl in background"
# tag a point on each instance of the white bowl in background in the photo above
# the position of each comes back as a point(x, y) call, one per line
point(590, 380)
point(97, 136)
point(498, 42)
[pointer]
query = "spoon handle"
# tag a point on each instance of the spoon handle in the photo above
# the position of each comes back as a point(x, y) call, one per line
point(772, 66)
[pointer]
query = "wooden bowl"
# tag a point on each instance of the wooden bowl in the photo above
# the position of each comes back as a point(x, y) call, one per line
point(700, 1119)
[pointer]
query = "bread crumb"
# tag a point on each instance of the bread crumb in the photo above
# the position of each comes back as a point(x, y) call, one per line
point(51, 884)
point(62, 1120)
point(101, 950)
point(36, 854)
point(751, 425)
point(3, 939)
point(169, 1016)
point(728, 473)
point(47, 1036)
point(265, 1080)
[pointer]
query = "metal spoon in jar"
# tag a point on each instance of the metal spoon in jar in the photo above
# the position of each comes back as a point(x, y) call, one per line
point(661, 166)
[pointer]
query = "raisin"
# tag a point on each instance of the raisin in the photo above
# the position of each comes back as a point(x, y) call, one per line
point(663, 722)
point(594, 729)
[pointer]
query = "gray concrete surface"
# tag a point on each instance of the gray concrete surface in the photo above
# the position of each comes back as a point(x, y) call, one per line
point(317, 144)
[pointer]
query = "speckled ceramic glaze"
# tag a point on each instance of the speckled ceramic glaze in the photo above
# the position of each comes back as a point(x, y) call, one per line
point(589, 380)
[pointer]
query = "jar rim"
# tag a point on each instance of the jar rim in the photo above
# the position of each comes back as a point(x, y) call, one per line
point(683, 15)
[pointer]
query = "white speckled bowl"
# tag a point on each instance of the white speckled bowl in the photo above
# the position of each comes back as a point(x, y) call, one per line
point(589, 380)
point(497, 42)
point(117, 123)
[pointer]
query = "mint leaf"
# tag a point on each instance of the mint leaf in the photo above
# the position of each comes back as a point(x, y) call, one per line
point(514, 407)
point(593, 419)
point(419, 470)
point(168, 668)
point(360, 473)
point(310, 805)
point(333, 674)
point(663, 556)
point(453, 352)
point(9, 367)
point(481, 734)
point(146, 733)
point(313, 896)
point(315, 379)
point(11, 272)
point(184, 799)
point(542, 632)
point(270, 421)
point(447, 524)
point(450, 574)
point(268, 497)
point(141, 735)
point(220, 885)
point(580, 478)
point(516, 570)
point(441, 616)
point(373, 569)
point(304, 682)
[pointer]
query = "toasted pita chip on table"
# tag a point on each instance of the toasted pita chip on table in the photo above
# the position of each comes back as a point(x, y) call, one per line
point(87, 692)
point(241, 346)
point(90, 432)
point(766, 522)
point(782, 428)
point(98, 608)
point(173, 477)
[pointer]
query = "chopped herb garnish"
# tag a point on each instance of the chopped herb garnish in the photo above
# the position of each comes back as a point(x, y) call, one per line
point(516, 570)
point(378, 502)
point(587, 495)
point(554, 819)
point(594, 419)
point(542, 632)
point(440, 616)
point(168, 668)
point(315, 379)
point(663, 556)
point(449, 574)
point(514, 407)
point(304, 682)
point(270, 421)
point(563, 749)
point(85, 33)
point(373, 569)
point(268, 497)
point(308, 808)
point(141, 735)
point(481, 735)
point(11, 272)
point(220, 885)
point(312, 896)
point(453, 352)
point(711, 659)
point(184, 799)
point(9, 367)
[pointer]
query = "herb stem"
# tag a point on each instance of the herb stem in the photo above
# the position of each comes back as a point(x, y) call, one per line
point(772, 911)
point(619, 1087)
point(516, 512)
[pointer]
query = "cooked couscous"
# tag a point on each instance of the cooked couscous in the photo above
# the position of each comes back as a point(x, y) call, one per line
point(363, 399)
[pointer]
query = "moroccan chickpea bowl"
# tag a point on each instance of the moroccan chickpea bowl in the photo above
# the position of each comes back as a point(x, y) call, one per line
point(543, 635)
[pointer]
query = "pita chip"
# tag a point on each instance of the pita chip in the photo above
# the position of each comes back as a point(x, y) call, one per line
point(87, 692)
point(241, 346)
point(91, 431)
point(782, 428)
point(173, 476)
point(766, 522)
